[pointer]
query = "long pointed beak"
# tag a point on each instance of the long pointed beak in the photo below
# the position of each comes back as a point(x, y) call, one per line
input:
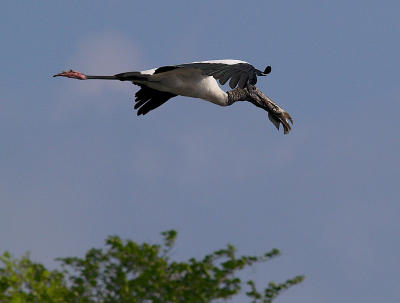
point(71, 74)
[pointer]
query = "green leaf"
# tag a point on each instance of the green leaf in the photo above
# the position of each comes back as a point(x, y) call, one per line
point(126, 271)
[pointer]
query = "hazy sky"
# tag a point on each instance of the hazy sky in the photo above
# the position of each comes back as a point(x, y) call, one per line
point(77, 165)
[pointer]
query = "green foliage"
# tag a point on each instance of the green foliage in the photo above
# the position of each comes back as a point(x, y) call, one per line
point(25, 281)
point(125, 271)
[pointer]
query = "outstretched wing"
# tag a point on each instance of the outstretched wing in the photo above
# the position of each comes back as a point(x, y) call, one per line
point(147, 99)
point(240, 73)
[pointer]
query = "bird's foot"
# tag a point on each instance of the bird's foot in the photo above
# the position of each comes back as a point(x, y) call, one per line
point(236, 94)
point(71, 74)
point(276, 114)
point(250, 88)
point(281, 116)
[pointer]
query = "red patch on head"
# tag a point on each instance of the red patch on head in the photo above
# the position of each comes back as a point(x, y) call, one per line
point(72, 74)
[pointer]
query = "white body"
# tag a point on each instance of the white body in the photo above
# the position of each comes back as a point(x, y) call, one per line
point(190, 83)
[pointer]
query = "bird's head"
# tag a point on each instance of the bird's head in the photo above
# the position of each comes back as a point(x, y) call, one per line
point(71, 74)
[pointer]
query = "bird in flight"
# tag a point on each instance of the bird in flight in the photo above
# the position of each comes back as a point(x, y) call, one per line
point(198, 80)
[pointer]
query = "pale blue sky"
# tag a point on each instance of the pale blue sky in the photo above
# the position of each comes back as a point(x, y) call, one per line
point(77, 165)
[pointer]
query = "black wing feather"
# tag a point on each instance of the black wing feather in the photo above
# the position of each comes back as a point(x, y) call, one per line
point(240, 74)
point(244, 79)
point(163, 69)
point(234, 80)
point(224, 77)
point(147, 99)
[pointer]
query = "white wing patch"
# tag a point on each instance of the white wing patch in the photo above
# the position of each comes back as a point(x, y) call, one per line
point(148, 71)
point(225, 61)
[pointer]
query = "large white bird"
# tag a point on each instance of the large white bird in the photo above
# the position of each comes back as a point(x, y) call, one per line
point(197, 80)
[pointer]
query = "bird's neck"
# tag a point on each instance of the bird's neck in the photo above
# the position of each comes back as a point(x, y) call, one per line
point(102, 77)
